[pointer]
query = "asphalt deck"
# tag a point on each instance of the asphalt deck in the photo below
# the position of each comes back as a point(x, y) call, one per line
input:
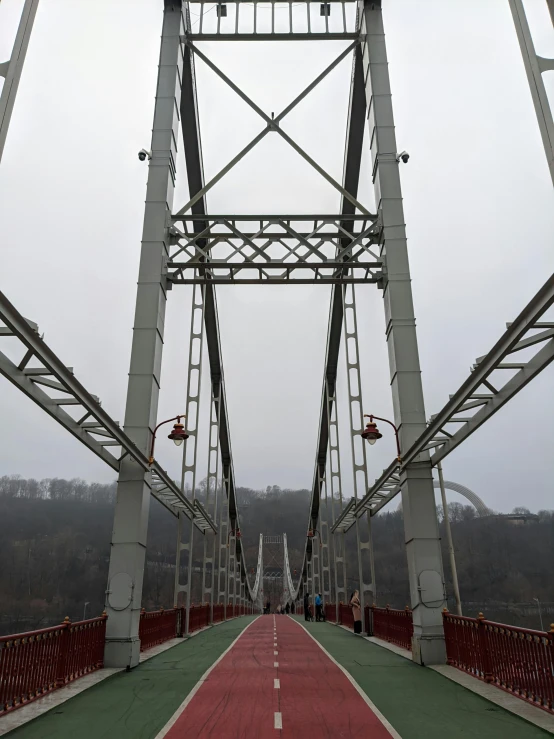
point(314, 700)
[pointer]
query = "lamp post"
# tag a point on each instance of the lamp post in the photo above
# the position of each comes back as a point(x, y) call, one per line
point(540, 612)
point(177, 435)
point(372, 433)
point(85, 610)
point(450, 543)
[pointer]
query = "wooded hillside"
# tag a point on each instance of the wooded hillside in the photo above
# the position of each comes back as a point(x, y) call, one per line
point(55, 542)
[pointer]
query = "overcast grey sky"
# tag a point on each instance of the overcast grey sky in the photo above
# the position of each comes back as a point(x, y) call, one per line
point(479, 211)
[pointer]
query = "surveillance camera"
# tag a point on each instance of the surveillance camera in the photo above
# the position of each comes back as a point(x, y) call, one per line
point(404, 156)
point(144, 154)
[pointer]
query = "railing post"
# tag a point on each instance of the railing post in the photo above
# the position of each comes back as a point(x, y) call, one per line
point(550, 703)
point(387, 623)
point(178, 622)
point(62, 653)
point(484, 649)
point(100, 660)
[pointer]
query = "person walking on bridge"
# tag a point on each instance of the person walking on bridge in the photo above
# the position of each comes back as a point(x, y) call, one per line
point(356, 611)
point(318, 608)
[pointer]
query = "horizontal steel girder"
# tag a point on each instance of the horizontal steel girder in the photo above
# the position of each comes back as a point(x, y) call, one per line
point(346, 36)
point(484, 392)
point(279, 280)
point(274, 21)
point(279, 248)
point(92, 426)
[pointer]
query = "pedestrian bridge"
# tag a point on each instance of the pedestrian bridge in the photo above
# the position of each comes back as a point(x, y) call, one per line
point(253, 677)
point(220, 668)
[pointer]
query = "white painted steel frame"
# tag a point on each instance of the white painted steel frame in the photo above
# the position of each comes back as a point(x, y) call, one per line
point(423, 550)
point(213, 489)
point(190, 450)
point(272, 124)
point(128, 548)
point(13, 68)
point(364, 543)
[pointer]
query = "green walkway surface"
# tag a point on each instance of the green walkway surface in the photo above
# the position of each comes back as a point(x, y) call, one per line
point(418, 702)
point(136, 704)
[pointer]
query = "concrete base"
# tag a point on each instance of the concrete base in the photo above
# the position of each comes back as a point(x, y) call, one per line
point(122, 653)
point(429, 650)
point(400, 651)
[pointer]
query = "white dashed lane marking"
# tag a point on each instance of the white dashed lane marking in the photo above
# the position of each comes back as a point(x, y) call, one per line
point(277, 684)
point(278, 720)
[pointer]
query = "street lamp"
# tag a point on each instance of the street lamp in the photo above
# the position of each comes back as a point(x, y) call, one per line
point(233, 532)
point(371, 433)
point(311, 535)
point(540, 612)
point(177, 435)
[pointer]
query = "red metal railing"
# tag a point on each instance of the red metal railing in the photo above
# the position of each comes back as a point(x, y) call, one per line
point(346, 617)
point(34, 663)
point(156, 627)
point(37, 662)
point(520, 661)
point(199, 617)
point(393, 626)
point(331, 612)
point(219, 613)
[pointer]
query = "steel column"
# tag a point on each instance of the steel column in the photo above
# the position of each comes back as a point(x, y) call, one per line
point(418, 498)
point(128, 548)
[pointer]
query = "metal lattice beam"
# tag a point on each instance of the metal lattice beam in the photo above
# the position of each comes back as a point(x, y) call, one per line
point(280, 250)
point(492, 383)
point(40, 369)
point(274, 21)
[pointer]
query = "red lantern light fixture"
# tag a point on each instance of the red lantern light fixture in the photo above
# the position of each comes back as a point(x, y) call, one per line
point(371, 433)
point(178, 434)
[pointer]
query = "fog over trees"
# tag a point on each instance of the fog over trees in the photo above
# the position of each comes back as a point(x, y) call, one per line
point(55, 544)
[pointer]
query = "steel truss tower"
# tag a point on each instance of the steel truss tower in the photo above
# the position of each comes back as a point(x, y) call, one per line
point(185, 246)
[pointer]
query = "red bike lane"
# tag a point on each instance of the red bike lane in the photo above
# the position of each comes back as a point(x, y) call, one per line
point(275, 681)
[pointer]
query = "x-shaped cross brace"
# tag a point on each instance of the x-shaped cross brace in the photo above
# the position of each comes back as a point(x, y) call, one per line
point(273, 125)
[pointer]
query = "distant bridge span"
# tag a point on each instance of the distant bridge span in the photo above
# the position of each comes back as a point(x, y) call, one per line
point(474, 499)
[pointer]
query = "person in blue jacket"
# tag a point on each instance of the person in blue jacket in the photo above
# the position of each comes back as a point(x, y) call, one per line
point(318, 608)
